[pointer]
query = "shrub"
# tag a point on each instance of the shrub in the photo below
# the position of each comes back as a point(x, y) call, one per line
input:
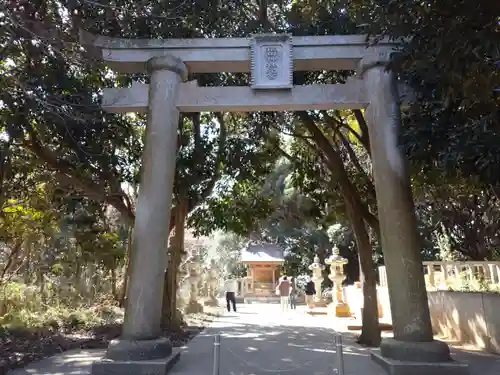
point(477, 284)
point(22, 307)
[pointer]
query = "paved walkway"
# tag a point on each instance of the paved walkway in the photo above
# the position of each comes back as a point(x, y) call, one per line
point(259, 339)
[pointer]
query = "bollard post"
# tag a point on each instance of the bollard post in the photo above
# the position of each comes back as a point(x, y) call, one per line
point(340, 354)
point(216, 367)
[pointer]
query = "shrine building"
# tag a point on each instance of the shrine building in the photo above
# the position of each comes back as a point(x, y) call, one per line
point(263, 261)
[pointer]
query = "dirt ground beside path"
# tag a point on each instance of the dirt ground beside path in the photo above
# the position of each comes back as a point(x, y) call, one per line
point(20, 347)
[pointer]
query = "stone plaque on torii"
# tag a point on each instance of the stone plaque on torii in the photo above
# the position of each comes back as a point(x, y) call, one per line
point(271, 61)
point(141, 348)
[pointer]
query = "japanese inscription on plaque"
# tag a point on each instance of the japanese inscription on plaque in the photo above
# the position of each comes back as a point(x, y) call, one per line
point(272, 55)
point(271, 62)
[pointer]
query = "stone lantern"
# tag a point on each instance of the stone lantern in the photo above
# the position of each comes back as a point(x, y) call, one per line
point(317, 270)
point(211, 284)
point(193, 279)
point(337, 276)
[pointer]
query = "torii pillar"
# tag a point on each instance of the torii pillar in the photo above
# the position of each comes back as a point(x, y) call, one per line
point(413, 349)
point(141, 349)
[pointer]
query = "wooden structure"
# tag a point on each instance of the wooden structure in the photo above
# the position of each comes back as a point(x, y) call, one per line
point(263, 261)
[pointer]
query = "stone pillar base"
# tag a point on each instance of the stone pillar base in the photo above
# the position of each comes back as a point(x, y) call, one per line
point(130, 357)
point(416, 358)
point(193, 307)
point(396, 367)
point(339, 309)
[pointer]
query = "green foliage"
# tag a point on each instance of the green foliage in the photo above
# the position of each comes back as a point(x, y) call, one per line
point(451, 59)
point(50, 105)
point(443, 243)
point(475, 284)
point(454, 42)
point(61, 252)
point(465, 212)
point(23, 306)
point(225, 250)
point(238, 210)
point(20, 221)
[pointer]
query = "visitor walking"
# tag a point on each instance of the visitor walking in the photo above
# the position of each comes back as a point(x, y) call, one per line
point(231, 287)
point(284, 292)
point(310, 293)
point(293, 294)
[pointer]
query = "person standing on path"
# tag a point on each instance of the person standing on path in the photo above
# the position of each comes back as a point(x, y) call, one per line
point(293, 294)
point(284, 292)
point(310, 292)
point(231, 288)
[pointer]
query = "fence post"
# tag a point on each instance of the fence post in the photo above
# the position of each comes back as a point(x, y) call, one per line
point(216, 367)
point(340, 354)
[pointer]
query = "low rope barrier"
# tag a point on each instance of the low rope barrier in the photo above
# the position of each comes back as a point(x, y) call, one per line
point(338, 369)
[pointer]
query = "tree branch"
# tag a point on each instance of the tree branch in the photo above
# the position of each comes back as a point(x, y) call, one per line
point(336, 167)
point(195, 201)
point(10, 259)
point(220, 156)
point(4, 169)
point(357, 164)
point(67, 175)
point(290, 134)
point(289, 157)
point(364, 137)
point(261, 14)
point(197, 138)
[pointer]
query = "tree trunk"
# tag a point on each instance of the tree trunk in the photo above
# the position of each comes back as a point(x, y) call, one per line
point(357, 212)
point(79, 281)
point(170, 315)
point(27, 268)
point(114, 290)
point(176, 250)
point(128, 267)
point(95, 282)
point(370, 329)
point(334, 163)
point(11, 261)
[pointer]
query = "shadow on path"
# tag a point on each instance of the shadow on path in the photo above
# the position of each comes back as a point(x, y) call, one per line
point(260, 339)
point(271, 342)
point(72, 362)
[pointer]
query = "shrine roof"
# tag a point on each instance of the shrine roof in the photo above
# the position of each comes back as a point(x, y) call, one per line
point(262, 252)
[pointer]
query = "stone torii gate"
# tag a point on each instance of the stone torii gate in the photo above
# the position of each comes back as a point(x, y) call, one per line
point(271, 60)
